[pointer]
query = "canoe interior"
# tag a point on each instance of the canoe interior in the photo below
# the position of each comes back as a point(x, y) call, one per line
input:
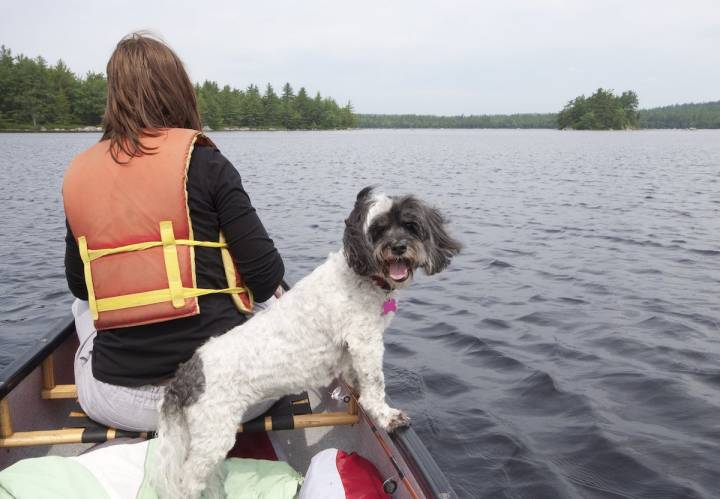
point(29, 411)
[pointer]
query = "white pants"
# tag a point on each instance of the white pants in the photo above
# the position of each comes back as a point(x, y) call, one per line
point(122, 407)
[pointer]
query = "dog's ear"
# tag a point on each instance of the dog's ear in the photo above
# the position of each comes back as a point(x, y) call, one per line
point(364, 194)
point(441, 247)
point(355, 242)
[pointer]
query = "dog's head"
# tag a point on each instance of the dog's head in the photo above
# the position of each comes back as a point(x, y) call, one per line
point(391, 237)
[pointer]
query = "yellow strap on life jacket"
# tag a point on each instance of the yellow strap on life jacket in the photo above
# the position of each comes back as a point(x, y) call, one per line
point(157, 296)
point(172, 266)
point(175, 292)
point(95, 254)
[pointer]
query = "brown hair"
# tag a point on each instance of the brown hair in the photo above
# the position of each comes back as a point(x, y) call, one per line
point(148, 89)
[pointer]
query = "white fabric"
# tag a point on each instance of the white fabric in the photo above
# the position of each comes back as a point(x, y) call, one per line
point(83, 318)
point(119, 468)
point(122, 407)
point(322, 478)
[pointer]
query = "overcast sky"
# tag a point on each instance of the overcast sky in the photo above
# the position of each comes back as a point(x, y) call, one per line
point(415, 56)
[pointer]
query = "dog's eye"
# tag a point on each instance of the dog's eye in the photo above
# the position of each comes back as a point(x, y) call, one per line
point(376, 231)
point(411, 227)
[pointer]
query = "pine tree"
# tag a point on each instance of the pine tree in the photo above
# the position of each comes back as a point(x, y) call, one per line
point(209, 105)
point(303, 105)
point(252, 108)
point(230, 103)
point(272, 107)
point(89, 106)
point(347, 116)
point(316, 111)
point(289, 113)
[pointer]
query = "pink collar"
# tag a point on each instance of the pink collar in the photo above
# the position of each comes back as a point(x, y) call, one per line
point(389, 305)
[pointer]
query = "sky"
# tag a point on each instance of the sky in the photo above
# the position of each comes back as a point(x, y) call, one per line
point(397, 56)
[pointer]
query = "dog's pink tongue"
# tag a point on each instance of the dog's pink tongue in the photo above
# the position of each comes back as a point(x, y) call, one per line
point(398, 270)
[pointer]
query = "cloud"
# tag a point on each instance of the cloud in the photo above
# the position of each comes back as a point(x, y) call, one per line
point(405, 56)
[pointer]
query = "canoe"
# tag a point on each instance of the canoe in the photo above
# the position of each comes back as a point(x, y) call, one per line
point(39, 416)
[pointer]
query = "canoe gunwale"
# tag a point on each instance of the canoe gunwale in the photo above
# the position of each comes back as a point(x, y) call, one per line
point(424, 467)
point(15, 372)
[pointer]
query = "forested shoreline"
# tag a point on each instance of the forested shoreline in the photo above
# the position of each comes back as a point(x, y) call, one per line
point(462, 121)
point(700, 115)
point(36, 96)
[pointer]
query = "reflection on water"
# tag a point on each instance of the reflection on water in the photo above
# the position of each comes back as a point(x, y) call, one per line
point(572, 350)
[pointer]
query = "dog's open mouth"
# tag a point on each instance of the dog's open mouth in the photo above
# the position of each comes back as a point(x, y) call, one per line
point(398, 270)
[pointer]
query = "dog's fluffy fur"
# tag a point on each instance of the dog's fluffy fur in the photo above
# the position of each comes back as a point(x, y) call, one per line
point(330, 324)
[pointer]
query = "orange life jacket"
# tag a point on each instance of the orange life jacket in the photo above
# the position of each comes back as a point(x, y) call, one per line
point(133, 229)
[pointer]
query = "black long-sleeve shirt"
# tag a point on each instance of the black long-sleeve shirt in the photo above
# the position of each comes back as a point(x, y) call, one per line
point(139, 355)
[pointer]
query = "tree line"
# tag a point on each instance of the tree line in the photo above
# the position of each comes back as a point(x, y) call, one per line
point(705, 115)
point(34, 94)
point(462, 121)
point(607, 113)
point(233, 108)
point(37, 95)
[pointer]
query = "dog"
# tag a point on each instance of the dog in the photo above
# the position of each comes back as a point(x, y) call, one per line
point(330, 324)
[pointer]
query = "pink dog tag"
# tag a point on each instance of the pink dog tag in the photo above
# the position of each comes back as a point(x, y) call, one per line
point(389, 305)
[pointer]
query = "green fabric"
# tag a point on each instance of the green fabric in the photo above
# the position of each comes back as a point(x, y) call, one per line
point(255, 478)
point(49, 477)
point(55, 477)
point(245, 479)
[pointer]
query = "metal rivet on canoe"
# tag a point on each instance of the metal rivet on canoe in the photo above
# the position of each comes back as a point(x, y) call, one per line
point(390, 485)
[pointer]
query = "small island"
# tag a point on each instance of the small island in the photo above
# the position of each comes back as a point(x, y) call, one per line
point(603, 110)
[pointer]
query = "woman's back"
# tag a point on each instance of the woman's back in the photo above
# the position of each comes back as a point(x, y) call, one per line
point(151, 308)
point(139, 355)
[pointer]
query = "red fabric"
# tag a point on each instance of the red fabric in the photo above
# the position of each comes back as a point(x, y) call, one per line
point(359, 476)
point(253, 446)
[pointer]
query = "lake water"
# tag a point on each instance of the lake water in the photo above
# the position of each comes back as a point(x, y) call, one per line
point(571, 350)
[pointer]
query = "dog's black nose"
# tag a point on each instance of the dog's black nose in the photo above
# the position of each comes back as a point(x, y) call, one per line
point(399, 247)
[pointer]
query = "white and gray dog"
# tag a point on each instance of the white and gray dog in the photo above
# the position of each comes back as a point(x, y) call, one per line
point(331, 323)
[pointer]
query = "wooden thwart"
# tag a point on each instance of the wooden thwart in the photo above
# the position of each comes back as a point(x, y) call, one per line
point(311, 421)
point(60, 392)
point(88, 435)
point(61, 436)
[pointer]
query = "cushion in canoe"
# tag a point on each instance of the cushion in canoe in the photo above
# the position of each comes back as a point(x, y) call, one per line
point(122, 471)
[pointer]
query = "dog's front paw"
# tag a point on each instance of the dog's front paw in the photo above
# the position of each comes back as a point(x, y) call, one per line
point(397, 419)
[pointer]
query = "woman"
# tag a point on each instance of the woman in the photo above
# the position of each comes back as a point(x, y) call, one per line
point(137, 204)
